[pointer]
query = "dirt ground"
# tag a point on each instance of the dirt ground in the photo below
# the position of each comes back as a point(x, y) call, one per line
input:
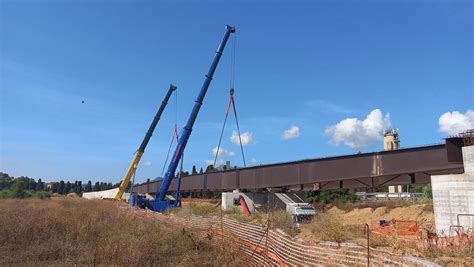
point(419, 212)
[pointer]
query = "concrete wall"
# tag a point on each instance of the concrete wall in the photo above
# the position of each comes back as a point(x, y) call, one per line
point(453, 194)
point(228, 201)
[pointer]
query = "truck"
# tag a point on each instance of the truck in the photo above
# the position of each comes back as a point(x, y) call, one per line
point(300, 211)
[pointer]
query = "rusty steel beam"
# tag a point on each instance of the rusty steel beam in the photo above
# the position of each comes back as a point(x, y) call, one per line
point(402, 166)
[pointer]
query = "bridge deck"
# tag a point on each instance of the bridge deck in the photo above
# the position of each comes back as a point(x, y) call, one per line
point(403, 166)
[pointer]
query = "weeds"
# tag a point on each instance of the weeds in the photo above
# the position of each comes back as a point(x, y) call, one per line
point(283, 220)
point(203, 209)
point(329, 228)
point(70, 231)
point(10, 193)
point(381, 241)
point(389, 205)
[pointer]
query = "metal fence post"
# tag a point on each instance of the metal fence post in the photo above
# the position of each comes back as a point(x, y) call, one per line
point(367, 229)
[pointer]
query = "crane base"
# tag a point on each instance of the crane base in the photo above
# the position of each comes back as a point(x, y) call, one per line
point(156, 205)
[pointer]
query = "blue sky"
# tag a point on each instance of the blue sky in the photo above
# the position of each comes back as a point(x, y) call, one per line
point(304, 64)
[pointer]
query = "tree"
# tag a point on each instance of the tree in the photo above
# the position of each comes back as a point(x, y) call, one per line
point(5, 181)
point(39, 185)
point(200, 171)
point(18, 188)
point(23, 182)
point(88, 187)
point(31, 184)
point(96, 186)
point(55, 188)
point(427, 191)
point(67, 188)
point(61, 187)
point(79, 187)
point(210, 168)
point(194, 170)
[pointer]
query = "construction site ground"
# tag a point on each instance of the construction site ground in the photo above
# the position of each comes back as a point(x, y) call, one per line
point(355, 216)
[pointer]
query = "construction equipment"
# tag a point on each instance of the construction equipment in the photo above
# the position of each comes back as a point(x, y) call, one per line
point(300, 211)
point(138, 155)
point(161, 203)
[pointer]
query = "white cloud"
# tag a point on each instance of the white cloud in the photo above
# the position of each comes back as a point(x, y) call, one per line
point(218, 162)
point(223, 152)
point(455, 122)
point(253, 161)
point(246, 138)
point(147, 163)
point(356, 133)
point(291, 133)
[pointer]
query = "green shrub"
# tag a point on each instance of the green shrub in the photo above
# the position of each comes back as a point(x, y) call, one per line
point(16, 193)
point(331, 196)
point(6, 193)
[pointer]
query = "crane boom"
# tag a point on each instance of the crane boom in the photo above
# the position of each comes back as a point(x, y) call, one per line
point(138, 155)
point(161, 203)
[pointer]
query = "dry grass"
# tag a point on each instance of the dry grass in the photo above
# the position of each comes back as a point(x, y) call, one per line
point(281, 219)
point(195, 208)
point(382, 241)
point(388, 205)
point(330, 228)
point(75, 231)
point(203, 209)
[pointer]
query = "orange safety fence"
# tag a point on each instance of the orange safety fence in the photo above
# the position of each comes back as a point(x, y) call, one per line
point(399, 228)
point(260, 245)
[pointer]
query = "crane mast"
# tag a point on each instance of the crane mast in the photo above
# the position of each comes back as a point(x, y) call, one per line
point(161, 203)
point(139, 153)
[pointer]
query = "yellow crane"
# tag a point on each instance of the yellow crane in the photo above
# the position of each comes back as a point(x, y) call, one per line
point(138, 155)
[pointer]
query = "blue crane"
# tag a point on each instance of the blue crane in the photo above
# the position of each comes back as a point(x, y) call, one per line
point(161, 203)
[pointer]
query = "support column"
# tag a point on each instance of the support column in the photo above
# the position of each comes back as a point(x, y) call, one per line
point(453, 194)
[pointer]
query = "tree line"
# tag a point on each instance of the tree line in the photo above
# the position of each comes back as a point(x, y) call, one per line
point(209, 168)
point(23, 186)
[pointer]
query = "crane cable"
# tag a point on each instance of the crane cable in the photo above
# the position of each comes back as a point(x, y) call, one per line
point(231, 102)
point(175, 134)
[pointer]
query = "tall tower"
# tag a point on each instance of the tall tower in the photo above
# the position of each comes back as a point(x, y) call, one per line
point(391, 142)
point(390, 139)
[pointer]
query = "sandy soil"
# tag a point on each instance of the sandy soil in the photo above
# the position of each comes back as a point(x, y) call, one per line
point(372, 216)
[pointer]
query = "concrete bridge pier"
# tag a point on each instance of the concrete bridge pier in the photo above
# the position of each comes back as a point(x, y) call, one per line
point(453, 198)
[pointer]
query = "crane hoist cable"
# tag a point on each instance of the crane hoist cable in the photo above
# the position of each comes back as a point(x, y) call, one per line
point(173, 137)
point(175, 134)
point(231, 103)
